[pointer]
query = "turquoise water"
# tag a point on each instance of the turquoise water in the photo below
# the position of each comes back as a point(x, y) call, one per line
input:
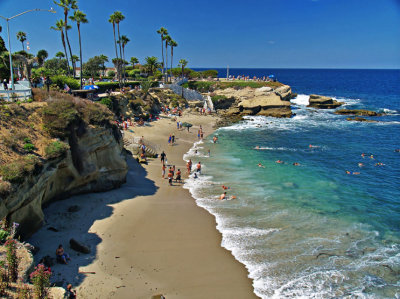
point(311, 230)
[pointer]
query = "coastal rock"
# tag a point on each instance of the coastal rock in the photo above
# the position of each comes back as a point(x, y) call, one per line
point(95, 162)
point(358, 112)
point(322, 102)
point(79, 247)
point(263, 101)
point(361, 119)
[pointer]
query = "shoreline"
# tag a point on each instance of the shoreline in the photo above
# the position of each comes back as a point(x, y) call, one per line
point(150, 238)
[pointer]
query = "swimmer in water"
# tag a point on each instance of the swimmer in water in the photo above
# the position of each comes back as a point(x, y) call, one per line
point(279, 162)
point(363, 155)
point(379, 164)
point(260, 165)
point(222, 197)
point(195, 176)
point(257, 147)
point(296, 164)
point(351, 172)
point(360, 164)
point(397, 150)
point(372, 156)
point(233, 197)
point(225, 187)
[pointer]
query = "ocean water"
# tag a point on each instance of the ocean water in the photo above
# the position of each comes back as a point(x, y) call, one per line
point(311, 231)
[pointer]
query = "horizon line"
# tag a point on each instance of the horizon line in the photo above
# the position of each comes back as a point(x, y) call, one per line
point(295, 68)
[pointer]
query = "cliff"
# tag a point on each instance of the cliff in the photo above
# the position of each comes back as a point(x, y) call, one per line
point(53, 150)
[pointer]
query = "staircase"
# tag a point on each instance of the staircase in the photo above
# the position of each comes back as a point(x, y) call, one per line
point(133, 145)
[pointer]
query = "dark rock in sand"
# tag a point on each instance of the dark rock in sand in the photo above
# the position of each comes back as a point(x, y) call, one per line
point(77, 246)
point(358, 112)
point(73, 209)
point(322, 102)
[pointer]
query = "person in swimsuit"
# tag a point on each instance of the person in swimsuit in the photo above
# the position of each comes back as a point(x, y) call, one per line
point(178, 176)
point(222, 197)
point(62, 256)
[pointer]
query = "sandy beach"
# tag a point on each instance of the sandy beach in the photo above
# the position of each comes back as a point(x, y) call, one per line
point(146, 238)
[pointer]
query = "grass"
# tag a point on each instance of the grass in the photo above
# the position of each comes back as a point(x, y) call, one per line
point(55, 149)
point(15, 171)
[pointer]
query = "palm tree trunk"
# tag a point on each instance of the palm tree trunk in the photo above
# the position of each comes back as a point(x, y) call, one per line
point(123, 57)
point(65, 51)
point(162, 54)
point(166, 61)
point(69, 46)
point(80, 52)
point(120, 52)
point(172, 56)
point(116, 51)
point(23, 48)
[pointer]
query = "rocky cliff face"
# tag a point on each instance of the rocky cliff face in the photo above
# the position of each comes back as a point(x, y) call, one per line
point(260, 101)
point(95, 162)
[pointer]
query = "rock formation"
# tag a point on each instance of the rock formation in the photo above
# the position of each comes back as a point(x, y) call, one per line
point(358, 112)
point(260, 101)
point(322, 102)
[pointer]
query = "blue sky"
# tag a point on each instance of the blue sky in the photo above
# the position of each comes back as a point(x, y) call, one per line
point(238, 33)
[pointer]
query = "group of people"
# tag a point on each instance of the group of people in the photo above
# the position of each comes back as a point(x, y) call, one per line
point(360, 164)
point(171, 170)
point(200, 133)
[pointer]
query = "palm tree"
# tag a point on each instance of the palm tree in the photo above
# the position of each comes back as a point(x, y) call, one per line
point(163, 32)
point(60, 25)
point(21, 36)
point(183, 63)
point(167, 39)
point(113, 20)
point(67, 5)
point(103, 59)
point(133, 61)
point(75, 58)
point(119, 17)
point(173, 45)
point(151, 64)
point(123, 41)
point(60, 55)
point(80, 18)
point(41, 56)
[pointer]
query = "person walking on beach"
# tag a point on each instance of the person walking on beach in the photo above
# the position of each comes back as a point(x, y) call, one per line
point(173, 138)
point(169, 139)
point(178, 176)
point(162, 157)
point(198, 134)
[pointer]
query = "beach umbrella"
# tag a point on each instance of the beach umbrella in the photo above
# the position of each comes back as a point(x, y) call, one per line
point(90, 87)
point(187, 125)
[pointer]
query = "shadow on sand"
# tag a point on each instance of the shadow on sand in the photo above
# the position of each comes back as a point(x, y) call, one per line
point(91, 207)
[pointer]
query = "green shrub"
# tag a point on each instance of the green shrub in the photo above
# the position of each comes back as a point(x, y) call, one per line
point(107, 102)
point(30, 100)
point(57, 116)
point(60, 81)
point(15, 172)
point(3, 235)
point(29, 147)
point(111, 74)
point(55, 149)
point(215, 99)
point(12, 259)
point(103, 86)
point(97, 114)
point(209, 73)
point(27, 140)
point(201, 86)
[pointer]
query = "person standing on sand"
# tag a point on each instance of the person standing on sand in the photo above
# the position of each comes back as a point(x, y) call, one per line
point(189, 166)
point(169, 139)
point(170, 177)
point(178, 176)
point(162, 157)
point(173, 138)
point(71, 294)
point(163, 167)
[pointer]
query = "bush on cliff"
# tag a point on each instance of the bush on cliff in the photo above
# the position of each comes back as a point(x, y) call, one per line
point(107, 102)
point(55, 149)
point(15, 171)
point(57, 116)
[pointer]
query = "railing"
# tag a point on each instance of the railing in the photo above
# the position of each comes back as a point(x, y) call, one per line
point(12, 95)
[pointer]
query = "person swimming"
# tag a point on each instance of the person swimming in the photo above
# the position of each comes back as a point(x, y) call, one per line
point(257, 147)
point(279, 162)
point(351, 172)
point(260, 165)
point(296, 164)
point(360, 164)
point(222, 197)
point(225, 187)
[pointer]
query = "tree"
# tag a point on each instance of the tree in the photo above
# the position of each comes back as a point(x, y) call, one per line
point(123, 41)
point(25, 60)
point(104, 59)
point(60, 55)
point(134, 61)
point(4, 61)
point(21, 36)
point(167, 39)
point(93, 66)
point(60, 25)
point(67, 5)
point(113, 21)
point(80, 18)
point(163, 32)
point(41, 56)
point(75, 59)
point(151, 65)
point(183, 63)
point(55, 66)
point(173, 44)
point(119, 18)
